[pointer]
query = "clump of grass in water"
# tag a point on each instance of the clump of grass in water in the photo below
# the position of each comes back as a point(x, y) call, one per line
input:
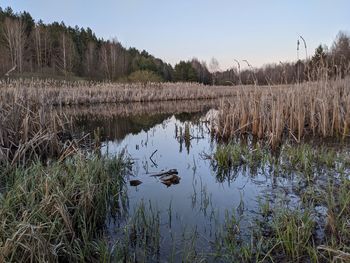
point(289, 234)
point(229, 242)
point(292, 233)
point(57, 212)
point(230, 156)
point(304, 159)
point(337, 229)
point(140, 237)
point(227, 156)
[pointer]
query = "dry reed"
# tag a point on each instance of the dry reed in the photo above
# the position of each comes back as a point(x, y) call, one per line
point(29, 132)
point(82, 92)
point(319, 109)
point(106, 111)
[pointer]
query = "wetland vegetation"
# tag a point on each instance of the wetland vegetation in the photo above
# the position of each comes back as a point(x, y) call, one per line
point(162, 167)
point(69, 199)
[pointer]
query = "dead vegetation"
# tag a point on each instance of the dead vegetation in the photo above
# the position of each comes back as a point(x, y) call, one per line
point(318, 109)
point(107, 111)
point(51, 92)
point(34, 132)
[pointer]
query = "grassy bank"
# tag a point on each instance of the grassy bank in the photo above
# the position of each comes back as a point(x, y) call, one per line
point(305, 159)
point(55, 199)
point(58, 212)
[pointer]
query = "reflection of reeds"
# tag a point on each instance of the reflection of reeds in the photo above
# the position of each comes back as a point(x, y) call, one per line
point(312, 109)
point(117, 120)
point(107, 111)
point(71, 93)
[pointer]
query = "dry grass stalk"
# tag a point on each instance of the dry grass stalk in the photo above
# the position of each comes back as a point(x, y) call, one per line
point(79, 93)
point(311, 109)
point(27, 133)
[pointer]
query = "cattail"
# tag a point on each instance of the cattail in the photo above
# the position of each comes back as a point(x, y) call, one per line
point(276, 113)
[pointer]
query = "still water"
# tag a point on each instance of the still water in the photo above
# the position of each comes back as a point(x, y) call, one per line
point(176, 135)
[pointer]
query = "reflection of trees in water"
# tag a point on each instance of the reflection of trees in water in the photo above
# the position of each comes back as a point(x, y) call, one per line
point(116, 128)
point(189, 116)
point(118, 120)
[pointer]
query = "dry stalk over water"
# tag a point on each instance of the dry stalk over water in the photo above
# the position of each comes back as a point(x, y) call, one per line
point(82, 92)
point(319, 109)
point(27, 133)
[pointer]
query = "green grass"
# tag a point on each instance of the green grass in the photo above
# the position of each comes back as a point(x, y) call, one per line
point(303, 159)
point(229, 157)
point(292, 233)
point(58, 212)
point(283, 233)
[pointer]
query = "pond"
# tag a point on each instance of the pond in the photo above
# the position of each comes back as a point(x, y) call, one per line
point(190, 213)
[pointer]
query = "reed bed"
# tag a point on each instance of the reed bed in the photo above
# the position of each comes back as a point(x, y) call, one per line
point(57, 211)
point(52, 92)
point(29, 132)
point(319, 109)
point(55, 199)
point(107, 111)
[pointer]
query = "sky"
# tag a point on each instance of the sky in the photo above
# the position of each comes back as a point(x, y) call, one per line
point(260, 31)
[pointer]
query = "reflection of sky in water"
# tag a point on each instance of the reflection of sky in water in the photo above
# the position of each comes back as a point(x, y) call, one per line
point(199, 199)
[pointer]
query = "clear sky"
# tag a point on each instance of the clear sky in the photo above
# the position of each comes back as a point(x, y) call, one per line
point(260, 31)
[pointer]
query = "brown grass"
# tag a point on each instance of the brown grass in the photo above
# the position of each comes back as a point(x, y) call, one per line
point(29, 132)
point(106, 111)
point(273, 113)
point(318, 109)
point(82, 92)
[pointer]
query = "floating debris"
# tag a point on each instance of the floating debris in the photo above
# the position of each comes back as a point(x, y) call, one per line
point(162, 173)
point(171, 179)
point(135, 182)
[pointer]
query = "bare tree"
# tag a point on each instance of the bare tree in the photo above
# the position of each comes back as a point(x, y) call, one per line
point(89, 57)
point(38, 46)
point(104, 60)
point(214, 68)
point(14, 34)
point(66, 54)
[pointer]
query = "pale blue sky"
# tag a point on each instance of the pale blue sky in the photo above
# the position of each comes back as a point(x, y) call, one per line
point(259, 31)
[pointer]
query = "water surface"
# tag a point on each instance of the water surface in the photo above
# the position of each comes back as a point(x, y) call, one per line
point(176, 135)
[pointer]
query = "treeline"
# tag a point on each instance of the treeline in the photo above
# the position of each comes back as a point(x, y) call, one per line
point(324, 64)
point(29, 48)
point(51, 50)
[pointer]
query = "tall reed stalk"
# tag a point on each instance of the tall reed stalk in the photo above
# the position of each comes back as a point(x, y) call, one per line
point(273, 113)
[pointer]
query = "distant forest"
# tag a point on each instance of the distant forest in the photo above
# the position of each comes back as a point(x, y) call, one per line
point(34, 49)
